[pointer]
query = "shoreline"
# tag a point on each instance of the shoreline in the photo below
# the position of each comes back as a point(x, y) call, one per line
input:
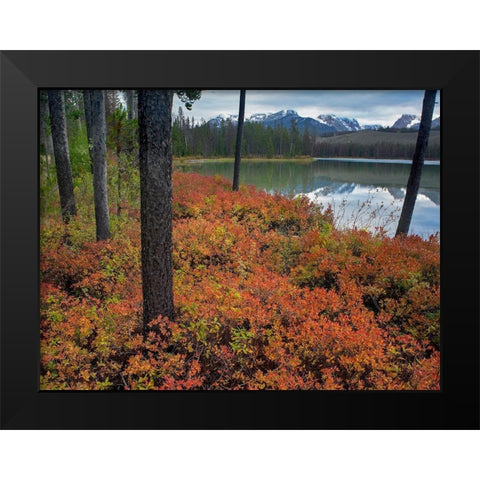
point(399, 161)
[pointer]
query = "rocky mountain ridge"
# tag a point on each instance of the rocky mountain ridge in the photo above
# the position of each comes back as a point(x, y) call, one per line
point(323, 123)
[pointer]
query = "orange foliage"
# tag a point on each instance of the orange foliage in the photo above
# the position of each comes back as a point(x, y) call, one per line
point(267, 296)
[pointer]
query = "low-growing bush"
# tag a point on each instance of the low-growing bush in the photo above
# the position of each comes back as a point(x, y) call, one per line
point(268, 295)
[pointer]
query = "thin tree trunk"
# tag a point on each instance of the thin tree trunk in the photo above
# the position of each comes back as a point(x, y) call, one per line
point(43, 130)
point(238, 145)
point(94, 101)
point(135, 104)
point(62, 157)
point(119, 170)
point(130, 106)
point(43, 136)
point(88, 122)
point(155, 115)
point(417, 163)
point(78, 104)
point(49, 140)
point(131, 114)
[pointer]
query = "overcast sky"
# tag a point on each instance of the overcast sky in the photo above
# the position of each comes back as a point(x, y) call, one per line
point(367, 106)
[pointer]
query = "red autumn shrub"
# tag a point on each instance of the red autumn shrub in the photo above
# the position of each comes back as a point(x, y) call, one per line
point(267, 296)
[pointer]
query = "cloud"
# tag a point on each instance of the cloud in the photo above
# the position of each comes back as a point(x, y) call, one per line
point(367, 106)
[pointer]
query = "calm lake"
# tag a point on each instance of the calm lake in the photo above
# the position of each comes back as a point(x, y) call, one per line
point(363, 193)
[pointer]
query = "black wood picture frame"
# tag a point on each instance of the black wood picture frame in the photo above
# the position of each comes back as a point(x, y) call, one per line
point(455, 73)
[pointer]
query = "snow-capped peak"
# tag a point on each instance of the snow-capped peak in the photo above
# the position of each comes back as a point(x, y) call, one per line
point(222, 117)
point(257, 117)
point(406, 121)
point(340, 124)
point(281, 114)
point(324, 123)
point(413, 122)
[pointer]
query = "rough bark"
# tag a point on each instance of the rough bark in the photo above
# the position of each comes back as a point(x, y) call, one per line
point(130, 108)
point(62, 158)
point(154, 116)
point(118, 150)
point(238, 144)
point(94, 101)
point(87, 108)
point(88, 121)
point(135, 104)
point(49, 139)
point(417, 163)
point(43, 128)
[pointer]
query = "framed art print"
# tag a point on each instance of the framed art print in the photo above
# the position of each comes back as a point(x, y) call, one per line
point(263, 239)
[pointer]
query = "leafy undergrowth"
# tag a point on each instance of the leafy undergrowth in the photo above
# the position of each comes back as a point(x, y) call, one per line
point(267, 295)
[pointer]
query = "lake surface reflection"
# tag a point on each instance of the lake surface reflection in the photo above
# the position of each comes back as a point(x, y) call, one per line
point(363, 193)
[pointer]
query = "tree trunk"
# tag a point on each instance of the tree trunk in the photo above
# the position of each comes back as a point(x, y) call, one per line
point(118, 149)
point(62, 157)
point(130, 106)
point(43, 129)
point(94, 101)
point(135, 104)
point(131, 114)
point(154, 116)
point(78, 103)
point(417, 163)
point(49, 139)
point(238, 145)
point(88, 122)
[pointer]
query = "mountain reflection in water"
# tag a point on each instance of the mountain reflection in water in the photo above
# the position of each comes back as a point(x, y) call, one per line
point(356, 190)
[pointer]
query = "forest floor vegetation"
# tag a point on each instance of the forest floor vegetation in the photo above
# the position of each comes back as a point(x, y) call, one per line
point(268, 295)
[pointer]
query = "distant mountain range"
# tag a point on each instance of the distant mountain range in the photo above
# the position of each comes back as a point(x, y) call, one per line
point(324, 123)
point(287, 118)
point(413, 122)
